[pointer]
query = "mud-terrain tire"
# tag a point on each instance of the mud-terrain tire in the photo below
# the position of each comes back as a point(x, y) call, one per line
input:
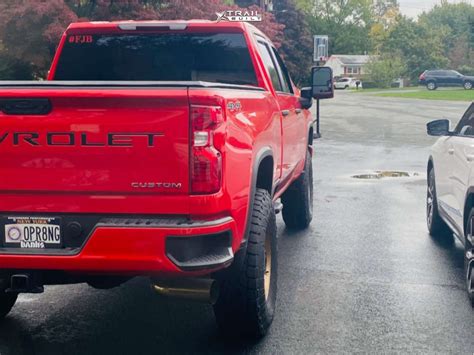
point(248, 288)
point(469, 258)
point(7, 301)
point(298, 199)
point(436, 226)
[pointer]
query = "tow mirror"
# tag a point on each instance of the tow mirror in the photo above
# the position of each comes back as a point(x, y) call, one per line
point(438, 128)
point(322, 82)
point(306, 99)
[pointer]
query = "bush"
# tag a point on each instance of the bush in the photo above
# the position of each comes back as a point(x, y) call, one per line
point(369, 85)
point(384, 70)
point(466, 70)
point(11, 69)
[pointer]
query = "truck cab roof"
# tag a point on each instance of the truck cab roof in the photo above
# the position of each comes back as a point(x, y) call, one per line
point(178, 25)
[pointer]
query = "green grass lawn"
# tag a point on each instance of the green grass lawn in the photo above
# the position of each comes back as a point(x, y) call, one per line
point(368, 91)
point(451, 95)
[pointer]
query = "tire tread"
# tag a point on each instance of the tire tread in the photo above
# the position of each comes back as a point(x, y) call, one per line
point(242, 307)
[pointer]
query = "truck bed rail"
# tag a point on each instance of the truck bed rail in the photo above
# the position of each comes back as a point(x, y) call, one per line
point(122, 84)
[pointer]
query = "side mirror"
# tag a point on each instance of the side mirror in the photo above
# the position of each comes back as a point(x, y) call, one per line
point(438, 128)
point(306, 99)
point(322, 82)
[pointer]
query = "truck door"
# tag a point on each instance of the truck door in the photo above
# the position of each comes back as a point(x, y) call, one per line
point(295, 126)
point(462, 163)
point(291, 115)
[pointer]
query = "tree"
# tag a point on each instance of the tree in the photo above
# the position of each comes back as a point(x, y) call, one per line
point(384, 70)
point(347, 22)
point(419, 46)
point(297, 45)
point(109, 10)
point(455, 20)
point(11, 69)
point(30, 31)
point(386, 15)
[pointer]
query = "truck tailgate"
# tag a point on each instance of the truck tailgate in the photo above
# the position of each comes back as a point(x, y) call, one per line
point(94, 140)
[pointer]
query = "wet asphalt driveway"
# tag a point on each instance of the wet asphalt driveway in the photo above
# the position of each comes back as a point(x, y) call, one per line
point(365, 278)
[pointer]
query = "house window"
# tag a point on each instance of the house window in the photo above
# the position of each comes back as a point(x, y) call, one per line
point(353, 70)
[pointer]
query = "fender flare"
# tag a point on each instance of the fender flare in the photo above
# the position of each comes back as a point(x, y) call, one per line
point(262, 154)
point(309, 134)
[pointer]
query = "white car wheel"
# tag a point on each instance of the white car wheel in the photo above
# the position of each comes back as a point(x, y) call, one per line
point(431, 85)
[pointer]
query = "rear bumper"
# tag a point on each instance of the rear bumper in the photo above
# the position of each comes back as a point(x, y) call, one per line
point(139, 247)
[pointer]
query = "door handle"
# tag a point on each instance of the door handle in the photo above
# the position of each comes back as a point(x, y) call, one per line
point(298, 110)
point(285, 112)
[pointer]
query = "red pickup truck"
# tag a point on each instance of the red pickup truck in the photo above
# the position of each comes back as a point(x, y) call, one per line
point(158, 149)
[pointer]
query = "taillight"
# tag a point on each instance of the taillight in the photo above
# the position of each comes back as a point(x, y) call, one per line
point(206, 160)
point(422, 76)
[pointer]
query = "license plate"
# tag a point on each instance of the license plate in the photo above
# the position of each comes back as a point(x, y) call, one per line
point(32, 232)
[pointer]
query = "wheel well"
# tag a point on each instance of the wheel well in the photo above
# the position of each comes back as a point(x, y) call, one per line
point(311, 136)
point(430, 166)
point(467, 209)
point(265, 174)
point(428, 169)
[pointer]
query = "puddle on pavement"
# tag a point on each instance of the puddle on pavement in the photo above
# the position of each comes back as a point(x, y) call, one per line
point(377, 175)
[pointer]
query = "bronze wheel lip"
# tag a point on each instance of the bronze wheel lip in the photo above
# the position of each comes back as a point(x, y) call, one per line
point(268, 266)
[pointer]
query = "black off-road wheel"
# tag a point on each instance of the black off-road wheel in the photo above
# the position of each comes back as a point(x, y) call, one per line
point(298, 199)
point(7, 301)
point(469, 257)
point(436, 226)
point(248, 288)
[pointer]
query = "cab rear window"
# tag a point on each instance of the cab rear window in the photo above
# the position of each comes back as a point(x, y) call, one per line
point(220, 58)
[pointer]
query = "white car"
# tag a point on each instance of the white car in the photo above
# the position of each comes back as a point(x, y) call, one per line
point(450, 197)
point(345, 83)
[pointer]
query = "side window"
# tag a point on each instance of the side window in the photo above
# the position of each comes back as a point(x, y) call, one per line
point(287, 87)
point(465, 127)
point(268, 61)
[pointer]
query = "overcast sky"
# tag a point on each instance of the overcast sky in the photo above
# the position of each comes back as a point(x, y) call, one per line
point(413, 8)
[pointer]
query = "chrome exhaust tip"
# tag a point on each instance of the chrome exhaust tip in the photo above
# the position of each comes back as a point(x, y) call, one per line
point(198, 290)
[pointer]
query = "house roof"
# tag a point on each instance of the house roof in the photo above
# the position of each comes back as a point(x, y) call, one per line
point(352, 59)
